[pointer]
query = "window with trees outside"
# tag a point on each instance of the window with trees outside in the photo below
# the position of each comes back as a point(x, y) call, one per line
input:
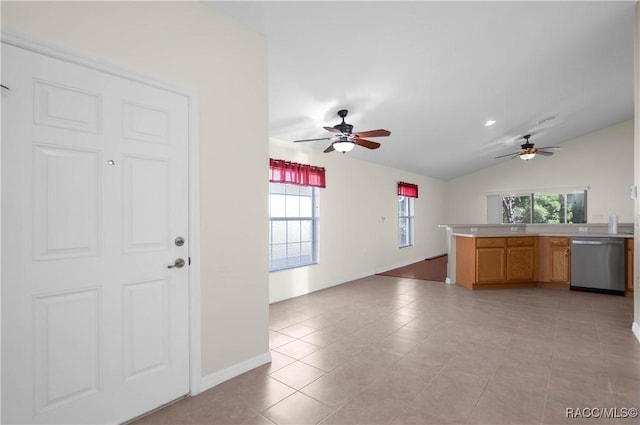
point(544, 207)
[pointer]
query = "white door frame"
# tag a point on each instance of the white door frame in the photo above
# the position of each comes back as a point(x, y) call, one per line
point(195, 317)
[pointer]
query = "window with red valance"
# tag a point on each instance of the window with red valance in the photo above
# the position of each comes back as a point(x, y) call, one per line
point(281, 171)
point(408, 189)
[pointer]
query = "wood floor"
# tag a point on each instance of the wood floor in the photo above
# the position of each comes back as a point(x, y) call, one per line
point(434, 269)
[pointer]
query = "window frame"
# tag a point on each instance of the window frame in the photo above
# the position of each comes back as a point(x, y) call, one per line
point(532, 195)
point(313, 219)
point(410, 220)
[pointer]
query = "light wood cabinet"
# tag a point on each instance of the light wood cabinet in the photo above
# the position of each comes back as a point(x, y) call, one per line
point(560, 262)
point(495, 261)
point(490, 265)
point(559, 269)
point(520, 259)
point(554, 259)
point(490, 260)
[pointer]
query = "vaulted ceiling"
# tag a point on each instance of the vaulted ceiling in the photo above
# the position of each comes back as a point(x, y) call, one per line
point(433, 73)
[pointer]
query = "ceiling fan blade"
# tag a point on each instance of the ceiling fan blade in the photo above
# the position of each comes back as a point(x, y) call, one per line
point(509, 154)
point(366, 143)
point(331, 129)
point(329, 149)
point(373, 133)
point(544, 153)
point(550, 147)
point(311, 140)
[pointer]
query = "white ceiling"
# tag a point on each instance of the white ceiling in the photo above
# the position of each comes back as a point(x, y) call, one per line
point(434, 72)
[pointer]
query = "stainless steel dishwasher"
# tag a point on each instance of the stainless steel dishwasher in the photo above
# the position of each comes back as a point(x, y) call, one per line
point(597, 264)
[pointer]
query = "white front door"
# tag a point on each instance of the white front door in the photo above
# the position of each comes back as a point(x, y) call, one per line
point(94, 194)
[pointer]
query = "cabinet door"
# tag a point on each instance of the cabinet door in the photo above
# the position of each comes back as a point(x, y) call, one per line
point(559, 269)
point(520, 264)
point(490, 265)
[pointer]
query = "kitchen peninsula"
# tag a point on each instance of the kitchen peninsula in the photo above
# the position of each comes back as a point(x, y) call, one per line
point(523, 255)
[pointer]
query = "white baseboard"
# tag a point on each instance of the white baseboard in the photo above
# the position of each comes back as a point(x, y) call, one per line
point(635, 328)
point(289, 292)
point(237, 369)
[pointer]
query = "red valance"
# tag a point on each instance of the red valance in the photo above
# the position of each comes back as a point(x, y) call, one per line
point(408, 189)
point(281, 171)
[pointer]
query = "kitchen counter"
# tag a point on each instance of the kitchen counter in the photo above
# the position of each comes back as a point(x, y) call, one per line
point(526, 259)
point(555, 234)
point(455, 231)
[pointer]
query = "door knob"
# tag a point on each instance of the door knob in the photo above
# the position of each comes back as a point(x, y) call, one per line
point(179, 263)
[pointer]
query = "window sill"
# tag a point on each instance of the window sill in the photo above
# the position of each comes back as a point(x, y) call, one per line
point(297, 266)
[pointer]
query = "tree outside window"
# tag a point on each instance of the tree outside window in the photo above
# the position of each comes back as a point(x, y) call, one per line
point(570, 207)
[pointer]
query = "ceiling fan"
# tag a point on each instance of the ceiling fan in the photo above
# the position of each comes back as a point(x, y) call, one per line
point(344, 140)
point(529, 151)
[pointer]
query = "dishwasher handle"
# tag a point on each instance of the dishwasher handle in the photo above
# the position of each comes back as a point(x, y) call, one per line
point(580, 242)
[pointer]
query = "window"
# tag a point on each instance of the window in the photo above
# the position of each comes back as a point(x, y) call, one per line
point(293, 213)
point(406, 194)
point(292, 225)
point(562, 206)
point(405, 221)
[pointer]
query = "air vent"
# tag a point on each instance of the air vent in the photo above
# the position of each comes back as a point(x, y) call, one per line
point(546, 121)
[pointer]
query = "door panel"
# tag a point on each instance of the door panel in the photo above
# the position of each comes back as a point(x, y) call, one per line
point(146, 124)
point(66, 189)
point(146, 190)
point(66, 107)
point(94, 191)
point(63, 320)
point(146, 327)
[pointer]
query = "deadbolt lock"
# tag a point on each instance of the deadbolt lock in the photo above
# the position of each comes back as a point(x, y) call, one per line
point(179, 241)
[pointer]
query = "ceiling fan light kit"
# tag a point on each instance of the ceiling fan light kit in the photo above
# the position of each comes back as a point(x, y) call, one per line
point(345, 140)
point(343, 147)
point(528, 151)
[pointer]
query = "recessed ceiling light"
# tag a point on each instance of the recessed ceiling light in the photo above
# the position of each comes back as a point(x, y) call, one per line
point(489, 123)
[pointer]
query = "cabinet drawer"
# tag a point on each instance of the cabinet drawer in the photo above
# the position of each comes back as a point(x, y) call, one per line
point(558, 241)
point(489, 242)
point(526, 241)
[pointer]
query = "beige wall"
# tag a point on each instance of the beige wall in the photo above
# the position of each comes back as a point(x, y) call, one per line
point(636, 161)
point(188, 44)
point(602, 160)
point(355, 239)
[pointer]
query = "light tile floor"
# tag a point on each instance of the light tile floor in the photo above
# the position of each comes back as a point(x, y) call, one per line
point(386, 350)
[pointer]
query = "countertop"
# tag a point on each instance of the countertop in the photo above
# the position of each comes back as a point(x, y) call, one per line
point(523, 234)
